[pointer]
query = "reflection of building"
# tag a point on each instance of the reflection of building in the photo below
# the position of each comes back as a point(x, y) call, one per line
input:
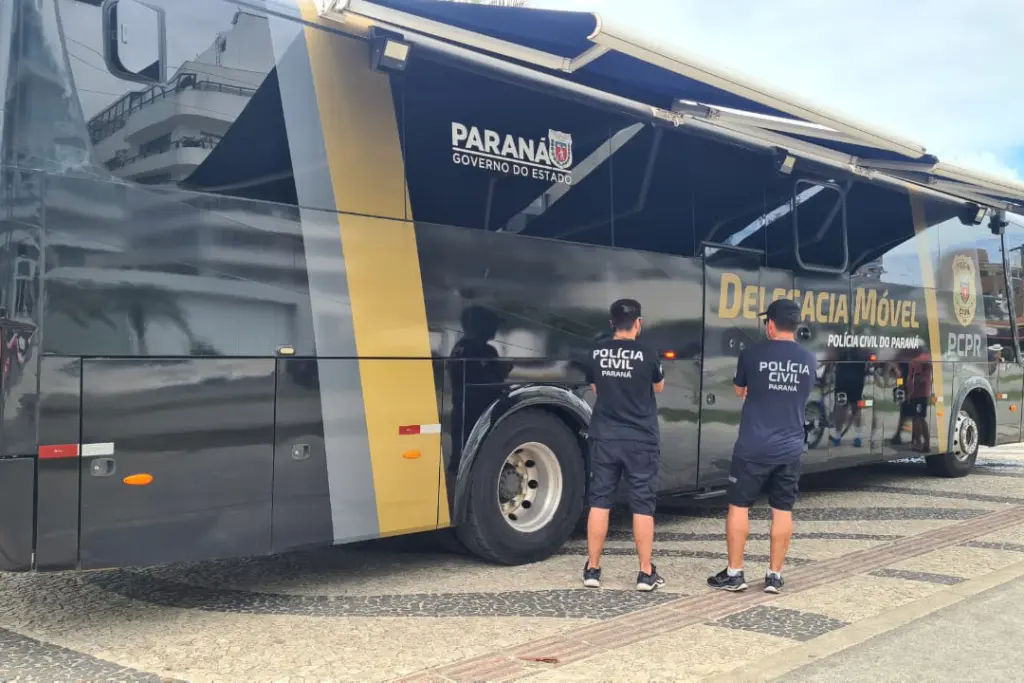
point(41, 130)
point(161, 134)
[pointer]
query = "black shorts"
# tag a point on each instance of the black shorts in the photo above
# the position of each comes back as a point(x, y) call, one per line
point(748, 480)
point(917, 407)
point(854, 392)
point(636, 461)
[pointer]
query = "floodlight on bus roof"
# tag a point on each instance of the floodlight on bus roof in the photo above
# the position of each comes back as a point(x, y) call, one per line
point(388, 52)
point(972, 214)
point(784, 161)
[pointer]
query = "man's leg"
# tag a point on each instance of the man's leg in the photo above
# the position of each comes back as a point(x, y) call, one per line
point(782, 492)
point(641, 470)
point(643, 534)
point(781, 533)
point(737, 529)
point(745, 482)
point(597, 532)
point(604, 477)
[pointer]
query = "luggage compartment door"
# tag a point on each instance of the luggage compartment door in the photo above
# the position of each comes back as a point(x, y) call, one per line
point(177, 460)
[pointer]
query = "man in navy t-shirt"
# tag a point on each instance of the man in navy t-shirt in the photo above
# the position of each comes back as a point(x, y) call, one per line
point(623, 440)
point(775, 377)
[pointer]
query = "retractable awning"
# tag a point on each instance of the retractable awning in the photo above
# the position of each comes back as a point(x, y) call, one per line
point(578, 47)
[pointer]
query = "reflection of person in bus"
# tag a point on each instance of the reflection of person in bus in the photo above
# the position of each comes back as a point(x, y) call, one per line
point(477, 374)
point(900, 369)
point(851, 371)
point(919, 393)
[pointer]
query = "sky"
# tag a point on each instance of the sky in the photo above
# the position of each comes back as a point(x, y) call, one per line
point(944, 73)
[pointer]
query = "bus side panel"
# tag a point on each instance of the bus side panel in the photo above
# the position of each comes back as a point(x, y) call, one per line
point(539, 305)
point(58, 479)
point(302, 496)
point(203, 430)
point(16, 513)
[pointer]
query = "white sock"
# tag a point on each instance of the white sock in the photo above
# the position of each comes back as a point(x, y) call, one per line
point(777, 575)
point(734, 572)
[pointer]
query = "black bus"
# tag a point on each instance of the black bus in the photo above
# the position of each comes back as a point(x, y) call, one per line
point(287, 274)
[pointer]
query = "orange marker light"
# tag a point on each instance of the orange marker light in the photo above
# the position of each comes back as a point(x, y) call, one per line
point(411, 455)
point(1013, 409)
point(138, 479)
point(670, 355)
point(872, 358)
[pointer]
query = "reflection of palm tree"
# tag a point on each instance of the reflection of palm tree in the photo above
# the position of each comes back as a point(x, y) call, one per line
point(138, 304)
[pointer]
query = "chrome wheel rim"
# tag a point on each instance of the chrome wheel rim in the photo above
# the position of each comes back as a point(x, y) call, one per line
point(529, 487)
point(967, 437)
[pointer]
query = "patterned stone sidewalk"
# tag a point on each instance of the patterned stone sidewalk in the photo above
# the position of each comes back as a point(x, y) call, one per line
point(868, 541)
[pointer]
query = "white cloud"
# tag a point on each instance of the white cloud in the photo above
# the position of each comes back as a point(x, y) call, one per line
point(945, 74)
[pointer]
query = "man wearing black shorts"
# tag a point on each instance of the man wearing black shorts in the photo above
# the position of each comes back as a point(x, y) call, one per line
point(851, 374)
point(775, 377)
point(623, 440)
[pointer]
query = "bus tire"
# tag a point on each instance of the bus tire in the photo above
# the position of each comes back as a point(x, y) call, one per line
point(527, 490)
point(964, 448)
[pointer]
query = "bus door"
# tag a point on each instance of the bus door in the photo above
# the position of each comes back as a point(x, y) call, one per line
point(732, 301)
point(17, 472)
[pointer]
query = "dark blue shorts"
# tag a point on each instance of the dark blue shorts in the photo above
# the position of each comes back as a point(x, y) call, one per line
point(749, 479)
point(637, 462)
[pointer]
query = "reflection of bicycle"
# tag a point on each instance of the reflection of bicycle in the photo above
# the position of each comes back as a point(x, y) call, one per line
point(816, 417)
point(817, 414)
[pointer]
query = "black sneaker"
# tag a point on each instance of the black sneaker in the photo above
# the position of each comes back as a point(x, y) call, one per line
point(723, 581)
point(591, 577)
point(773, 583)
point(649, 582)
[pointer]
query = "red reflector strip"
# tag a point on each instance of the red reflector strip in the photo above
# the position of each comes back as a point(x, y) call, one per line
point(67, 450)
point(407, 430)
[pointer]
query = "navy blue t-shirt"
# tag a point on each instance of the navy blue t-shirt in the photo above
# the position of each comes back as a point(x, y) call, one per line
point(624, 372)
point(779, 376)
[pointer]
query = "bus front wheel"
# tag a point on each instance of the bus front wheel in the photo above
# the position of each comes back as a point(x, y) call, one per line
point(527, 490)
point(964, 448)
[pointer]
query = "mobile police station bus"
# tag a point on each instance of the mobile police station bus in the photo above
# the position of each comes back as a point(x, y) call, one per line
point(287, 274)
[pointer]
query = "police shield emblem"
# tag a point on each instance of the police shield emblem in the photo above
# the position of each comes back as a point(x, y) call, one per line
point(560, 149)
point(965, 299)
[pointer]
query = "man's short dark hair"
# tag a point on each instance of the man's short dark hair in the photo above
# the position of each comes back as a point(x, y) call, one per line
point(624, 314)
point(785, 313)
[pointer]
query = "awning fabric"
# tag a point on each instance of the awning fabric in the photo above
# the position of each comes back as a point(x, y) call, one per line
point(580, 47)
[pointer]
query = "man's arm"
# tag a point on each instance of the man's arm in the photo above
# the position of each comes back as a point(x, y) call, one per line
point(740, 380)
point(593, 387)
point(659, 376)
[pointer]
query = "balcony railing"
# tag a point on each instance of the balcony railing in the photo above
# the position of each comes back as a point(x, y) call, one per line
point(114, 117)
point(204, 141)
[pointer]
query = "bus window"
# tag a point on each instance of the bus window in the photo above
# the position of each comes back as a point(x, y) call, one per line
point(1013, 240)
point(819, 227)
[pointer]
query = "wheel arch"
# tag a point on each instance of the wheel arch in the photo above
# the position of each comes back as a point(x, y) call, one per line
point(561, 402)
point(979, 391)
